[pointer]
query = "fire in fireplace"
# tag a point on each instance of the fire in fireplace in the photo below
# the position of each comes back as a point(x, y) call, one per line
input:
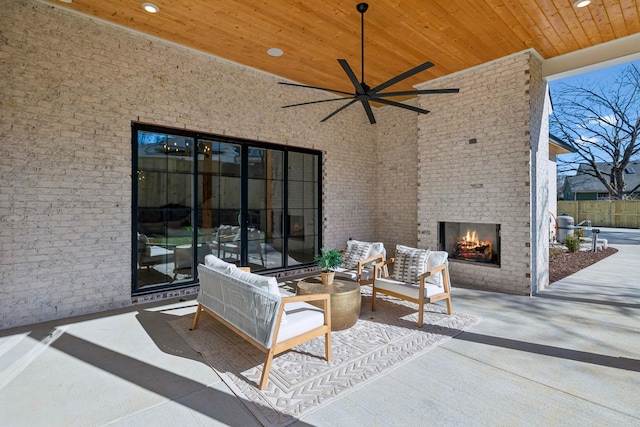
point(471, 242)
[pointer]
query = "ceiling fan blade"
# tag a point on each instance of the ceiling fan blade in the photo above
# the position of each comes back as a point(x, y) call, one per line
point(401, 77)
point(354, 80)
point(414, 92)
point(316, 102)
point(406, 107)
point(338, 110)
point(316, 87)
point(367, 108)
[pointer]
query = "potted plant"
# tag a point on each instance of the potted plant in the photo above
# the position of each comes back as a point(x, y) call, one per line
point(327, 260)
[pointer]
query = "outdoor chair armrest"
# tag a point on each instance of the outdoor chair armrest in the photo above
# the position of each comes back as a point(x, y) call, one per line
point(382, 265)
point(304, 298)
point(362, 262)
point(385, 262)
point(432, 272)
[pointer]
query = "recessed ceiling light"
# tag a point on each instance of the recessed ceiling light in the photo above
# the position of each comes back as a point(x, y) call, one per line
point(150, 7)
point(66, 1)
point(274, 51)
point(581, 3)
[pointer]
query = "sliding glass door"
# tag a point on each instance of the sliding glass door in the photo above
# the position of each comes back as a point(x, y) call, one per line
point(251, 204)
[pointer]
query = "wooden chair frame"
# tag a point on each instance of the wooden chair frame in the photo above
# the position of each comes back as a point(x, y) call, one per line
point(365, 261)
point(421, 300)
point(279, 347)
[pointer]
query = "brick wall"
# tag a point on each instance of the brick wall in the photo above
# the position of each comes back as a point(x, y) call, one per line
point(397, 171)
point(485, 182)
point(70, 86)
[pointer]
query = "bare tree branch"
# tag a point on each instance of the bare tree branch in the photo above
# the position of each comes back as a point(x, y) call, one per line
point(603, 126)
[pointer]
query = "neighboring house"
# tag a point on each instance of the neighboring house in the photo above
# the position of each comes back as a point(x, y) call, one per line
point(586, 187)
point(556, 147)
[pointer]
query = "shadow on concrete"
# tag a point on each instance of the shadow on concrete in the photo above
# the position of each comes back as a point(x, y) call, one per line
point(587, 300)
point(547, 350)
point(210, 402)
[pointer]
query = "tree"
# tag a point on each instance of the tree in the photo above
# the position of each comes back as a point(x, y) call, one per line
point(603, 125)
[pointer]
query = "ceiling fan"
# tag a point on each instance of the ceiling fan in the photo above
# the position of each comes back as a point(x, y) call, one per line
point(366, 94)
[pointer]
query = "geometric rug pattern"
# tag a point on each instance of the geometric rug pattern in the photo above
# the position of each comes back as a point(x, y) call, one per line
point(300, 380)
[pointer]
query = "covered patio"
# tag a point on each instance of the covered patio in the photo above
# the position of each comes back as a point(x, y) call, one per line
point(516, 367)
point(77, 80)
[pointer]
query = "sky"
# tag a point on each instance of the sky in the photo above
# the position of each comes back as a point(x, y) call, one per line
point(597, 76)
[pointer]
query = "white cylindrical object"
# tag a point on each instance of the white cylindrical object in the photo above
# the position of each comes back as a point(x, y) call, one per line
point(566, 226)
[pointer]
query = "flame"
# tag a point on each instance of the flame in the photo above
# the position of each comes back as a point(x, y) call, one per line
point(471, 241)
point(470, 247)
point(471, 237)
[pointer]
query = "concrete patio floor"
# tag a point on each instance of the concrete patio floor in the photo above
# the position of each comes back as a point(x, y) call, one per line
point(568, 356)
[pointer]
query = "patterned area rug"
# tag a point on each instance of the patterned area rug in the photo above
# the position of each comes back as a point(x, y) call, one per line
point(301, 381)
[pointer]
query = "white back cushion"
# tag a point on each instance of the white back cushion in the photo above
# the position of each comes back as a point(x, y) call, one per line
point(435, 259)
point(377, 248)
point(216, 263)
point(269, 284)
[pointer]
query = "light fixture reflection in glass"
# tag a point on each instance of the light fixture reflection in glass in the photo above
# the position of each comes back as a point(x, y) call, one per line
point(150, 7)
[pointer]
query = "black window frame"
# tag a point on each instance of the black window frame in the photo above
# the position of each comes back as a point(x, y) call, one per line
point(245, 144)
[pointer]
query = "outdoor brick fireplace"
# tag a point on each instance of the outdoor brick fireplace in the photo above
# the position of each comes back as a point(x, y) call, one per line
point(483, 175)
point(470, 242)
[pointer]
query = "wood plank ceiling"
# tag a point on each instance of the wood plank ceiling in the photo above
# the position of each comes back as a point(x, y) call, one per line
point(453, 34)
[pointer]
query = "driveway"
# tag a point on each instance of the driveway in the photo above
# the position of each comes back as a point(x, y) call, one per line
point(619, 236)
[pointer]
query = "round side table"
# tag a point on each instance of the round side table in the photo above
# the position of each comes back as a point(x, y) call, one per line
point(345, 299)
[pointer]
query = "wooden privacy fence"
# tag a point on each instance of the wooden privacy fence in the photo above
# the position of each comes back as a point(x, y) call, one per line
point(603, 213)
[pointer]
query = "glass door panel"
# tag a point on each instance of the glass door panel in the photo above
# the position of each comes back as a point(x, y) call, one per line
point(264, 209)
point(220, 202)
point(165, 207)
point(303, 203)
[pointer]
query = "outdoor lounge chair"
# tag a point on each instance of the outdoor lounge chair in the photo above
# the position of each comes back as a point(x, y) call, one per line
point(359, 260)
point(150, 254)
point(419, 275)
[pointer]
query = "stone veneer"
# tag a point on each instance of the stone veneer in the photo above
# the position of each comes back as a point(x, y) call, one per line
point(72, 85)
point(494, 180)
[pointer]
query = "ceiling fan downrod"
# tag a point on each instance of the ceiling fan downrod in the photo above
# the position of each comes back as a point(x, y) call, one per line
point(362, 8)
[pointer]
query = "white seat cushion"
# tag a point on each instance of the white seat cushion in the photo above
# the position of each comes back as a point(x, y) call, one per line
point(408, 289)
point(344, 273)
point(301, 317)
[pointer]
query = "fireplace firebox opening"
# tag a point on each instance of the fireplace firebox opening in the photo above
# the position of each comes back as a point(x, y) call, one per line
point(470, 242)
